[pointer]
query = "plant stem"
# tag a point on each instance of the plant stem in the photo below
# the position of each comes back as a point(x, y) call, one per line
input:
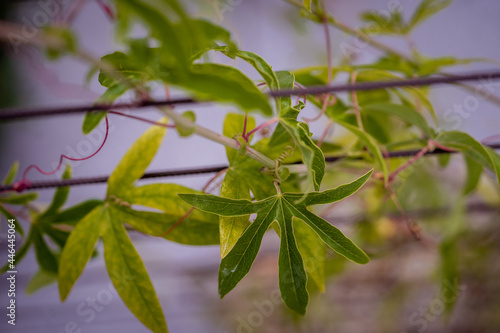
point(216, 137)
point(430, 146)
point(267, 123)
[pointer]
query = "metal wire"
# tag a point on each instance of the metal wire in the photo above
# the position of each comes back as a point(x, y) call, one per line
point(204, 170)
point(16, 113)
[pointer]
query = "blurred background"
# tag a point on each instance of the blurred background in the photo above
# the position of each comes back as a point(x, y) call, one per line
point(399, 291)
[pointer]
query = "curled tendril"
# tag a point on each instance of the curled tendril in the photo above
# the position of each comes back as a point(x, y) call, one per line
point(286, 153)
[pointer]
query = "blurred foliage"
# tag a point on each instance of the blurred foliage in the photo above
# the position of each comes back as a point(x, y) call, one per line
point(419, 198)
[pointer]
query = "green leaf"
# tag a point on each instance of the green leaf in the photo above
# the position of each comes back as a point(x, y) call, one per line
point(454, 227)
point(21, 199)
point(75, 213)
point(392, 25)
point(11, 174)
point(60, 195)
point(242, 176)
point(184, 131)
point(44, 255)
point(129, 276)
point(370, 143)
point(222, 83)
point(136, 160)
point(426, 9)
point(421, 96)
point(443, 160)
point(312, 156)
point(307, 4)
point(9, 216)
point(211, 33)
point(21, 252)
point(66, 39)
point(264, 69)
point(174, 40)
point(472, 149)
point(39, 280)
point(231, 228)
point(313, 251)
point(405, 113)
point(474, 171)
point(79, 248)
point(199, 228)
point(91, 120)
point(282, 208)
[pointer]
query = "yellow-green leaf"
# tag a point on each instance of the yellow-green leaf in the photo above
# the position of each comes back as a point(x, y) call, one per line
point(129, 276)
point(136, 160)
point(79, 248)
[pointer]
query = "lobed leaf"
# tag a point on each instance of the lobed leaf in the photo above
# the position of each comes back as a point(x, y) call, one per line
point(133, 165)
point(129, 276)
point(79, 248)
point(282, 208)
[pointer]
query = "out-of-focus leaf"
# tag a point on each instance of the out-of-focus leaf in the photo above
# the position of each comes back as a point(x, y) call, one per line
point(44, 255)
point(21, 252)
point(443, 160)
point(79, 248)
point(66, 39)
point(75, 213)
point(8, 215)
point(60, 195)
point(307, 4)
point(129, 276)
point(382, 24)
point(39, 280)
point(472, 149)
point(449, 274)
point(370, 144)
point(426, 9)
point(406, 114)
point(173, 39)
point(199, 228)
point(183, 131)
point(224, 84)
point(282, 208)
point(11, 174)
point(19, 199)
point(136, 160)
point(91, 120)
point(474, 171)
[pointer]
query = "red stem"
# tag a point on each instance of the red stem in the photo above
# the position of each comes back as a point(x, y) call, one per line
point(24, 183)
point(107, 9)
point(245, 127)
point(267, 123)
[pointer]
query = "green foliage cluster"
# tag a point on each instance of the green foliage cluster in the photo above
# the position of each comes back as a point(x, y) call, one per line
point(174, 53)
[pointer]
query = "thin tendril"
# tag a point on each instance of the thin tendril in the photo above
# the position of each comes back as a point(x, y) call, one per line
point(24, 183)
